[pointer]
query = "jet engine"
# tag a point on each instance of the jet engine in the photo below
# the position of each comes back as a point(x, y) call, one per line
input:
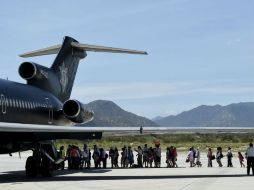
point(30, 70)
point(76, 112)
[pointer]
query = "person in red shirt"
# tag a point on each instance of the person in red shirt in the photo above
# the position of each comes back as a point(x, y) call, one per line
point(174, 157)
point(241, 159)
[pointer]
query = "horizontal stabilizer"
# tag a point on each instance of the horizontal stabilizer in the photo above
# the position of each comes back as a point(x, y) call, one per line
point(55, 49)
point(96, 48)
point(45, 51)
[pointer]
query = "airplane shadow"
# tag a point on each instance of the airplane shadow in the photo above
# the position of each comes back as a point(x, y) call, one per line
point(19, 176)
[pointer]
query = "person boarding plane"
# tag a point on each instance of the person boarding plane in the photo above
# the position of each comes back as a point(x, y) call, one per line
point(34, 114)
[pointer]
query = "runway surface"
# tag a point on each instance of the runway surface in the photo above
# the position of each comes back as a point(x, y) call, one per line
point(12, 176)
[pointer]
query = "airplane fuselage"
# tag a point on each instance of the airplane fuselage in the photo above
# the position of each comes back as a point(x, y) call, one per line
point(22, 103)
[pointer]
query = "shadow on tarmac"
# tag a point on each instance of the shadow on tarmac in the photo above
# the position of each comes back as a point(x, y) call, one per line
point(20, 177)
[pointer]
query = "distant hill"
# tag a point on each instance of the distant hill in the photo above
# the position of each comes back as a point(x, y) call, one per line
point(108, 114)
point(233, 115)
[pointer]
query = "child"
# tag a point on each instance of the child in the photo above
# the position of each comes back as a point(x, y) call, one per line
point(241, 159)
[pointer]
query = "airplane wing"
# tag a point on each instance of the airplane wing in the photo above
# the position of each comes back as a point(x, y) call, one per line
point(34, 132)
point(20, 127)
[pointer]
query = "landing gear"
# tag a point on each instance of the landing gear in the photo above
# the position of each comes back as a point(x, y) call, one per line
point(43, 160)
point(47, 168)
point(31, 167)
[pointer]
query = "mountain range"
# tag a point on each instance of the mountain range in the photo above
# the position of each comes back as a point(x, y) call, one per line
point(233, 115)
point(108, 114)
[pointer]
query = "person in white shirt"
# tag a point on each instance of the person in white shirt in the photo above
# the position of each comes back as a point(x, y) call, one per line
point(250, 159)
point(198, 162)
point(191, 158)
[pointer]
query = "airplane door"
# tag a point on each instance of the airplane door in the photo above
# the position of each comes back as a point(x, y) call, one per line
point(50, 110)
point(3, 104)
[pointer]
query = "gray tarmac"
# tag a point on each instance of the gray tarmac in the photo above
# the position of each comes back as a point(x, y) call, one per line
point(12, 176)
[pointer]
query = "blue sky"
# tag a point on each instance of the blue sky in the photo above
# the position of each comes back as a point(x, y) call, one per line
point(200, 51)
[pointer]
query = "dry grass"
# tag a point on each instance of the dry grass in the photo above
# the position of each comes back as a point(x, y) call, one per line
point(181, 141)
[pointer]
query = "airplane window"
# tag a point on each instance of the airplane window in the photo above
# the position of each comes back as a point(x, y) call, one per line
point(17, 104)
point(6, 102)
point(13, 103)
point(22, 104)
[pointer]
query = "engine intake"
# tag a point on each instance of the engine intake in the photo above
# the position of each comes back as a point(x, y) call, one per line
point(30, 70)
point(27, 70)
point(75, 111)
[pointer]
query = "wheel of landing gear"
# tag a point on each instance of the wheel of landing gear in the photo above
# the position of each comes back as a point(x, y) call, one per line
point(47, 168)
point(31, 167)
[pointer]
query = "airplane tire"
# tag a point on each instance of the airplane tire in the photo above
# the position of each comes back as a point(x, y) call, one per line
point(47, 168)
point(31, 167)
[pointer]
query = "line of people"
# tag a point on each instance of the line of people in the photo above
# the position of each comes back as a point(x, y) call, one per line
point(249, 155)
point(219, 155)
point(146, 157)
point(193, 157)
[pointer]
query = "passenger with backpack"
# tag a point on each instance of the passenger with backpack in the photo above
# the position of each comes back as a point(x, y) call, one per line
point(219, 156)
point(210, 157)
point(229, 157)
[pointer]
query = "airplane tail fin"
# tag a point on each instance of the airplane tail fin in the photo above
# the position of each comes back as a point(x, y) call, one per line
point(66, 62)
